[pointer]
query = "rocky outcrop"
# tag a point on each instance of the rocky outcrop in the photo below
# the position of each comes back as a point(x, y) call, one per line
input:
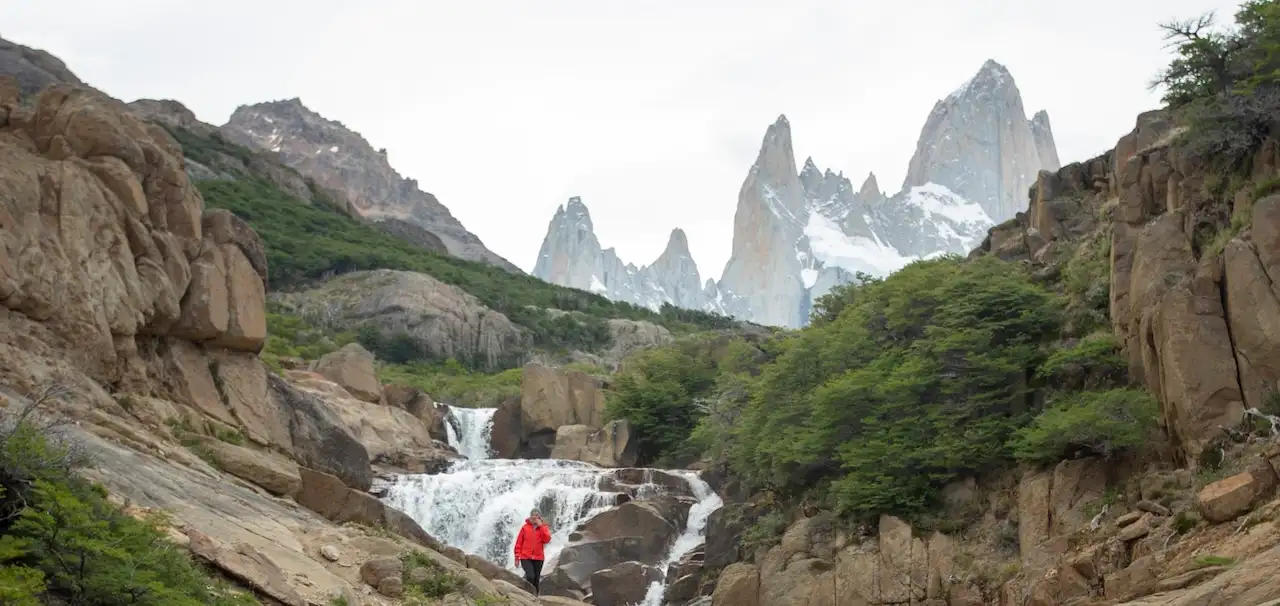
point(217, 159)
point(634, 535)
point(609, 446)
point(1198, 322)
point(341, 160)
point(624, 583)
point(33, 69)
point(551, 398)
point(441, 320)
point(978, 143)
point(391, 435)
point(351, 367)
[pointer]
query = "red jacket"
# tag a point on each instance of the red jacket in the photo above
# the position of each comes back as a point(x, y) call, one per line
point(530, 541)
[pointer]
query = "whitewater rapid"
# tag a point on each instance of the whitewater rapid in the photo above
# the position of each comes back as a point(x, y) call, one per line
point(694, 534)
point(478, 504)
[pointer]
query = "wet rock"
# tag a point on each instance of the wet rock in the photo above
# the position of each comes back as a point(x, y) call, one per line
point(624, 583)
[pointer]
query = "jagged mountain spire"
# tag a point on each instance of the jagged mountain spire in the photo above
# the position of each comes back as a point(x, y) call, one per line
point(978, 143)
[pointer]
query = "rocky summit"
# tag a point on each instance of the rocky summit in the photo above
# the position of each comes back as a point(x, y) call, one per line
point(341, 160)
point(801, 231)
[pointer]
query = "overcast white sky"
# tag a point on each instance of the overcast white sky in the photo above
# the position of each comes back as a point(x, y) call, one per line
point(652, 111)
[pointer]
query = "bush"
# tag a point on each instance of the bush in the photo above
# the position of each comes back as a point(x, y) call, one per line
point(669, 392)
point(453, 383)
point(1091, 363)
point(62, 541)
point(916, 379)
point(426, 578)
point(1093, 423)
point(1224, 83)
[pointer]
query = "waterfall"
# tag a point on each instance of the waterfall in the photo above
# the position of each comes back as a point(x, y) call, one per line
point(478, 506)
point(694, 534)
point(468, 431)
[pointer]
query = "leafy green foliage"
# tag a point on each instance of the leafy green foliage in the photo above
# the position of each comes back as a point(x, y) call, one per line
point(1086, 280)
point(917, 378)
point(292, 336)
point(1090, 363)
point(428, 578)
point(62, 541)
point(1091, 422)
point(660, 393)
point(1225, 82)
point(452, 382)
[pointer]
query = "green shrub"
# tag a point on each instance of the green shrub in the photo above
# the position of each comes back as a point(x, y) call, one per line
point(437, 582)
point(765, 532)
point(453, 383)
point(917, 379)
point(1093, 362)
point(63, 542)
point(1086, 279)
point(1223, 83)
point(1094, 422)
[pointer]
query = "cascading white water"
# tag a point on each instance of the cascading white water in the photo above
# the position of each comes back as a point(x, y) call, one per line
point(478, 506)
point(468, 431)
point(694, 533)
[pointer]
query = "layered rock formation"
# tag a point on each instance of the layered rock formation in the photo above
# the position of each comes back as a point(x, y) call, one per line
point(1198, 322)
point(978, 143)
point(800, 233)
point(341, 160)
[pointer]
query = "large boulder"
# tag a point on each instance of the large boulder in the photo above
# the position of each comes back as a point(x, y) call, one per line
point(609, 446)
point(420, 405)
point(625, 583)
point(440, 319)
point(553, 397)
point(506, 437)
point(1232, 497)
point(739, 585)
point(352, 368)
point(319, 437)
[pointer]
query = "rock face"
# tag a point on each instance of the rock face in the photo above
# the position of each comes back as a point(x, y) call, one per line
point(978, 143)
point(341, 160)
point(33, 69)
point(1199, 325)
point(138, 259)
point(352, 368)
point(440, 319)
point(633, 536)
point(551, 398)
point(609, 446)
point(798, 233)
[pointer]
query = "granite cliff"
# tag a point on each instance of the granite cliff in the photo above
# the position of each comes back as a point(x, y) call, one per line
point(799, 232)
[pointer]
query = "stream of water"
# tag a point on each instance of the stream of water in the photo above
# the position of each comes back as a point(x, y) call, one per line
point(479, 504)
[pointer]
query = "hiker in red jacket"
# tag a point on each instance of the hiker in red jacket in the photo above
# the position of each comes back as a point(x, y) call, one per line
point(533, 535)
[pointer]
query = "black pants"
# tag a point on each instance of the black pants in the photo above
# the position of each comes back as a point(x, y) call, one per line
point(532, 572)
